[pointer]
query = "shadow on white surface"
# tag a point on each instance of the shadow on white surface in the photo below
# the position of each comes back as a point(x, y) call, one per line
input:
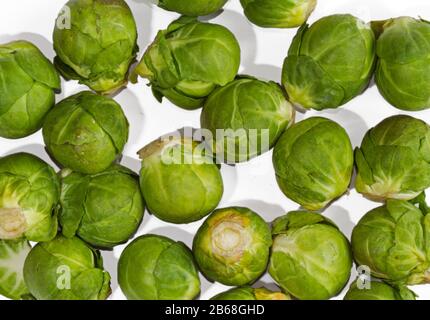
point(174, 233)
point(37, 150)
point(209, 17)
point(353, 180)
point(142, 11)
point(350, 121)
point(147, 2)
point(133, 110)
point(145, 226)
point(300, 114)
point(205, 285)
point(263, 72)
point(229, 177)
point(352, 278)
point(244, 33)
point(372, 83)
point(40, 41)
point(268, 211)
point(341, 217)
point(133, 164)
point(110, 264)
point(62, 95)
point(266, 283)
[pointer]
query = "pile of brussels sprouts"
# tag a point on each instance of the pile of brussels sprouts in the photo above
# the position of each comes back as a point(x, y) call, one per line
point(54, 224)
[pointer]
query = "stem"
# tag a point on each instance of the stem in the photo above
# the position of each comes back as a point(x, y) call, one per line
point(230, 239)
point(12, 223)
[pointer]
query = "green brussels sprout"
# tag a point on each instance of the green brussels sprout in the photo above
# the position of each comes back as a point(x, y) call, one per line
point(153, 267)
point(232, 246)
point(180, 184)
point(29, 194)
point(96, 42)
point(252, 113)
point(403, 68)
point(278, 13)
point(313, 162)
point(192, 7)
point(186, 62)
point(103, 209)
point(66, 269)
point(12, 257)
point(86, 132)
point(394, 159)
point(249, 293)
point(311, 258)
point(392, 240)
point(329, 63)
point(379, 291)
point(28, 82)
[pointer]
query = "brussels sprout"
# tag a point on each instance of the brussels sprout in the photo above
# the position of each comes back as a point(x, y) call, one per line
point(249, 293)
point(394, 159)
point(329, 63)
point(278, 13)
point(313, 162)
point(157, 268)
point(403, 69)
point(179, 182)
point(252, 113)
point(103, 209)
point(232, 246)
point(29, 194)
point(186, 62)
point(311, 258)
point(28, 82)
point(95, 42)
point(392, 241)
point(66, 269)
point(379, 291)
point(86, 132)
point(192, 7)
point(12, 257)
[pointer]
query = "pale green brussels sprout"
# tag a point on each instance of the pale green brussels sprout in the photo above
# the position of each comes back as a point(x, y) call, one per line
point(249, 293)
point(311, 259)
point(179, 182)
point(29, 195)
point(192, 7)
point(95, 42)
point(12, 256)
point(394, 159)
point(232, 246)
point(66, 269)
point(278, 13)
point(188, 60)
point(86, 132)
point(403, 69)
point(104, 209)
point(313, 162)
point(153, 267)
point(379, 291)
point(252, 114)
point(329, 63)
point(28, 82)
point(392, 240)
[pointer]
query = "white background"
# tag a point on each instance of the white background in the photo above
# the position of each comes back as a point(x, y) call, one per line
point(263, 51)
